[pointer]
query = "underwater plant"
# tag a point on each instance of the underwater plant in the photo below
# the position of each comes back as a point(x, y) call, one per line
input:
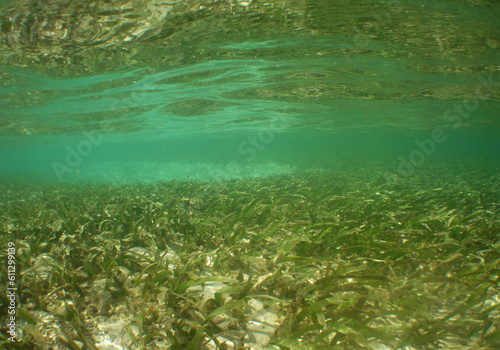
point(304, 261)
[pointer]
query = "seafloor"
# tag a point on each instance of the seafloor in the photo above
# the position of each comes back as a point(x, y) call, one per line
point(343, 259)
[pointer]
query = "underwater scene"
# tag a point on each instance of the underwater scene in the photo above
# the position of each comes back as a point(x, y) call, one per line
point(250, 174)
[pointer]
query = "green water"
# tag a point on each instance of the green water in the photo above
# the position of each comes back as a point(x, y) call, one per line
point(247, 90)
point(306, 141)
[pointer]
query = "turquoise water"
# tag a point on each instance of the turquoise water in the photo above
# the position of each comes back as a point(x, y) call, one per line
point(79, 129)
point(250, 174)
point(315, 87)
